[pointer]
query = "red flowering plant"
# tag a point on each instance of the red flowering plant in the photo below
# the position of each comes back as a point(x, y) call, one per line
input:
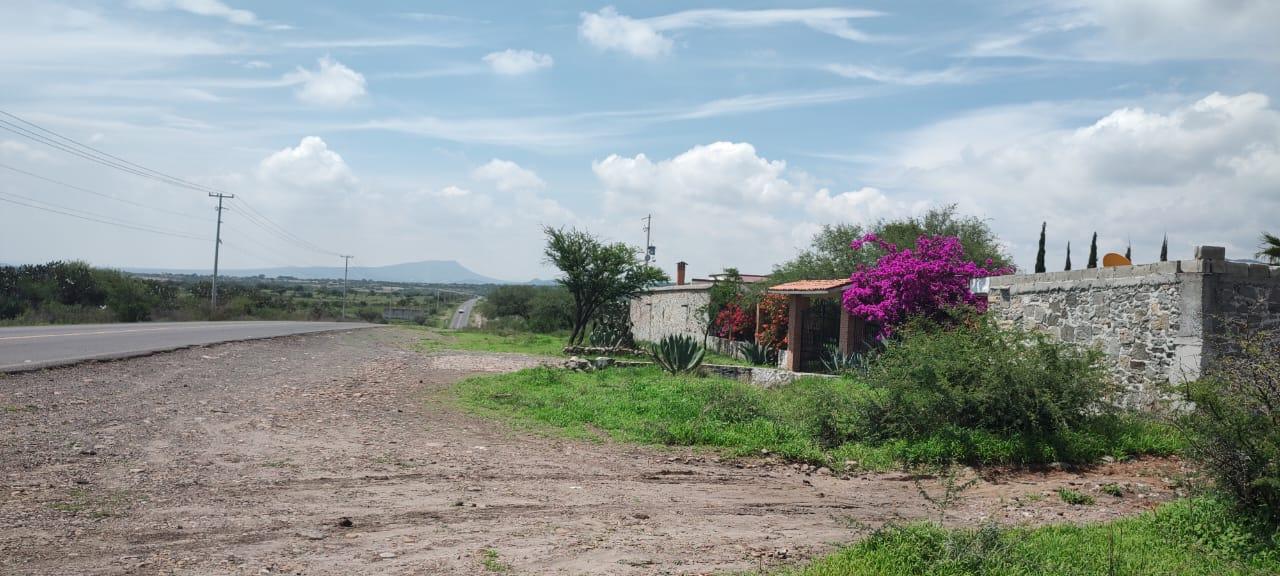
point(734, 323)
point(772, 331)
point(905, 283)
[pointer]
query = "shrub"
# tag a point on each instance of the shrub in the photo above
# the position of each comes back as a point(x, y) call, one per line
point(612, 325)
point(678, 354)
point(1235, 425)
point(904, 284)
point(756, 354)
point(974, 375)
point(774, 318)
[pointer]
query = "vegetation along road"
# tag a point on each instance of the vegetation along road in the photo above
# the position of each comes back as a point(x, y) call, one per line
point(27, 348)
point(348, 453)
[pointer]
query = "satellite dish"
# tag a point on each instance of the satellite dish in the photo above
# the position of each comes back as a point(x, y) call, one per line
point(1111, 259)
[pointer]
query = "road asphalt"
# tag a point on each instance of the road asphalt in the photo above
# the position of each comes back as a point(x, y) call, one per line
point(33, 347)
point(462, 316)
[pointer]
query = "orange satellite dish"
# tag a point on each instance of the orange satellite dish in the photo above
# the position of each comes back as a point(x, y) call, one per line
point(1111, 259)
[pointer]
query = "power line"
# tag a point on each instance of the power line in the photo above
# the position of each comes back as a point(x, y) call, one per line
point(101, 194)
point(72, 212)
point(33, 131)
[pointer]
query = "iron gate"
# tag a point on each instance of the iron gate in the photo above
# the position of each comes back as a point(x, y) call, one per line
point(819, 330)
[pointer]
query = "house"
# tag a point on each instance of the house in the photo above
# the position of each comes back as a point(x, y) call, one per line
point(817, 324)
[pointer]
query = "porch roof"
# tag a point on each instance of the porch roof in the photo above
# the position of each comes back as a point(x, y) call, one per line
point(811, 287)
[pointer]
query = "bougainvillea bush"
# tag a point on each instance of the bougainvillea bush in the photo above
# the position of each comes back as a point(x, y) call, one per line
point(907, 283)
point(772, 331)
point(735, 323)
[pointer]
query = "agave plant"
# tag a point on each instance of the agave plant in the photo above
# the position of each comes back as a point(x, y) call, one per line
point(837, 362)
point(756, 354)
point(677, 353)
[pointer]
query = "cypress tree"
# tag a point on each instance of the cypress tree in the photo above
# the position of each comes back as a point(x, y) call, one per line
point(1128, 251)
point(1164, 249)
point(1068, 257)
point(1093, 251)
point(1040, 251)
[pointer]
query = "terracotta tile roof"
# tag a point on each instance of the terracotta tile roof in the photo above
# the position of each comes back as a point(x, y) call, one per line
point(811, 285)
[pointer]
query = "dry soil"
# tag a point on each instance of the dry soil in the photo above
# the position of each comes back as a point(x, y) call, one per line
point(342, 453)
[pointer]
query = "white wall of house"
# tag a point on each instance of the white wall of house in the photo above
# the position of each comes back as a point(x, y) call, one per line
point(669, 310)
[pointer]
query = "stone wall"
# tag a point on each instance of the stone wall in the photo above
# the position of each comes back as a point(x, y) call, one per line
point(669, 310)
point(1156, 323)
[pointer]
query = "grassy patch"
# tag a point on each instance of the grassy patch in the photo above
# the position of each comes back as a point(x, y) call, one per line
point(1197, 537)
point(518, 342)
point(818, 420)
point(1074, 497)
point(489, 559)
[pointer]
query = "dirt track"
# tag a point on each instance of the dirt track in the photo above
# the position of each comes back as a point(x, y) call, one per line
point(246, 458)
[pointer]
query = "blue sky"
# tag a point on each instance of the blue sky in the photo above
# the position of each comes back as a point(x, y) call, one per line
point(401, 131)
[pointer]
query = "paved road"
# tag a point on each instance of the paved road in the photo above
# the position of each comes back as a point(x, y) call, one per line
point(29, 348)
point(463, 316)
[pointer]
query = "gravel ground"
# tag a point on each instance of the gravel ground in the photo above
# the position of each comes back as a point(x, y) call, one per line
point(341, 453)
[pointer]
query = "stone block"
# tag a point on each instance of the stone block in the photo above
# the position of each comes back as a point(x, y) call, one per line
point(1211, 253)
point(1236, 268)
point(1165, 267)
point(1191, 266)
point(1259, 271)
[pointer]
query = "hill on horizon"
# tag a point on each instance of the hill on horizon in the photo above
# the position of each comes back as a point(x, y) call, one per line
point(426, 271)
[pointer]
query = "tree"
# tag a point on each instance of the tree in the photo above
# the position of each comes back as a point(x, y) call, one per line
point(1164, 249)
point(1093, 252)
point(1068, 267)
point(1270, 248)
point(595, 273)
point(1128, 253)
point(924, 282)
point(829, 254)
point(725, 292)
point(1040, 251)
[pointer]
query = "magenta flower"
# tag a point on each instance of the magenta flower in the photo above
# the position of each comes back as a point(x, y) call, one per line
point(906, 283)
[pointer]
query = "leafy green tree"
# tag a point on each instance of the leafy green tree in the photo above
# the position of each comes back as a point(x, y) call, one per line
point(1164, 249)
point(595, 273)
point(829, 254)
point(1093, 252)
point(1040, 251)
point(550, 310)
point(728, 289)
point(1270, 248)
point(512, 300)
point(1068, 267)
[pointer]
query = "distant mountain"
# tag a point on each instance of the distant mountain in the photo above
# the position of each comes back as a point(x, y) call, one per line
point(427, 271)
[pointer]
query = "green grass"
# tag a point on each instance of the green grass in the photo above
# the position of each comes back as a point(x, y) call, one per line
point(526, 343)
point(814, 420)
point(489, 558)
point(1074, 497)
point(520, 342)
point(1195, 537)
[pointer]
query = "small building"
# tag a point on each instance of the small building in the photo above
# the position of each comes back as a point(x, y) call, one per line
point(678, 309)
point(817, 323)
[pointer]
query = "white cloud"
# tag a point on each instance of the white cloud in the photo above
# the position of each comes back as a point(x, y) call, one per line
point(953, 75)
point(1141, 31)
point(378, 42)
point(257, 65)
point(517, 62)
point(722, 204)
point(461, 202)
point(1206, 172)
point(609, 30)
point(212, 8)
point(330, 84)
point(310, 165)
point(508, 176)
point(15, 149)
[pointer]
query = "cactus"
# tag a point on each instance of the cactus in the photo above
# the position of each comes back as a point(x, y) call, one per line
point(677, 354)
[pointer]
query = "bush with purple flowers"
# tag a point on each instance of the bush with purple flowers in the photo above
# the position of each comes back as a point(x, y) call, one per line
point(907, 283)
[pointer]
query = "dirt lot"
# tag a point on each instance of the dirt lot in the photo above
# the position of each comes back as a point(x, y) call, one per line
point(341, 454)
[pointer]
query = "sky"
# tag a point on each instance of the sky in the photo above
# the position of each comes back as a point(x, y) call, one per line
point(457, 130)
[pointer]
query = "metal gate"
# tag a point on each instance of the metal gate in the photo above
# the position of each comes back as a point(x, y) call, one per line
point(819, 329)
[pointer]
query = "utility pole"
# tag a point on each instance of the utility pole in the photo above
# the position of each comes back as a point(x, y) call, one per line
point(217, 244)
point(346, 265)
point(648, 246)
